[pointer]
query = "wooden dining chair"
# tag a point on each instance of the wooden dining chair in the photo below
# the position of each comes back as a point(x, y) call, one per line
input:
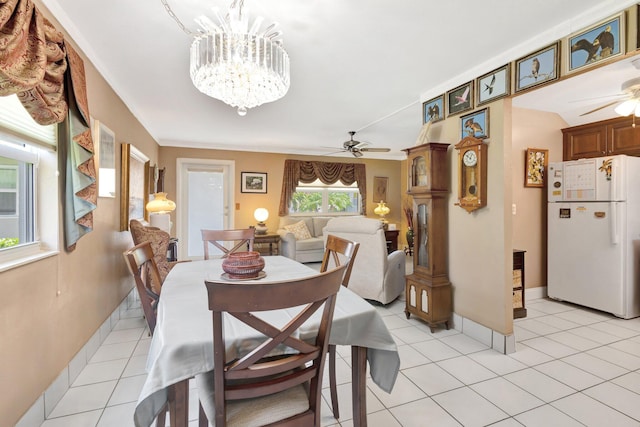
point(159, 240)
point(339, 251)
point(278, 378)
point(240, 237)
point(140, 261)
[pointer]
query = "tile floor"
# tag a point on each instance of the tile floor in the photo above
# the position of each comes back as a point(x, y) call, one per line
point(572, 367)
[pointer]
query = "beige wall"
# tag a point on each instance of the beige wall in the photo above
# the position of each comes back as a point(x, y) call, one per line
point(533, 129)
point(50, 308)
point(273, 164)
point(480, 242)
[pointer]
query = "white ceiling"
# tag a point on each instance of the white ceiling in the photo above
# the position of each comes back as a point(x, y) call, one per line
point(363, 65)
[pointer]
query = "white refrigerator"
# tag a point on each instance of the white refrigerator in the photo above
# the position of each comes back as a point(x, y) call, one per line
point(593, 225)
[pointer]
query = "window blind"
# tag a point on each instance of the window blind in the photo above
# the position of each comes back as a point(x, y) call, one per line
point(16, 121)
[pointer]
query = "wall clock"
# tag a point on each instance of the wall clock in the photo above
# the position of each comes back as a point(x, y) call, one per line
point(472, 173)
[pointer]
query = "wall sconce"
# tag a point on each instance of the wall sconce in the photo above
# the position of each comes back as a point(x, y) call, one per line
point(261, 215)
point(382, 210)
point(159, 209)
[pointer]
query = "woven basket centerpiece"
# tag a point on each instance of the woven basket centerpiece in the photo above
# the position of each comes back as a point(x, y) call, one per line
point(243, 265)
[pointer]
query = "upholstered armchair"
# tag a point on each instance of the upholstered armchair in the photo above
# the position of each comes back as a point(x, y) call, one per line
point(159, 244)
point(376, 275)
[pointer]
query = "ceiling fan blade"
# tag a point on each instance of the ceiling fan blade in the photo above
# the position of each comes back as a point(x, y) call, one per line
point(596, 98)
point(376, 150)
point(600, 108)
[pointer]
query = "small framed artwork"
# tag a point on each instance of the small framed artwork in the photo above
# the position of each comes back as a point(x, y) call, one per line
point(106, 142)
point(134, 185)
point(475, 124)
point(253, 182)
point(380, 188)
point(538, 68)
point(600, 43)
point(536, 160)
point(433, 110)
point(493, 85)
point(460, 99)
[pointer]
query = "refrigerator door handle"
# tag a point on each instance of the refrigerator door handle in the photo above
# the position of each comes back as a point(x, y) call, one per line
point(613, 222)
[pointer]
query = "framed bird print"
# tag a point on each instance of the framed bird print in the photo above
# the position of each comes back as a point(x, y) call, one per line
point(475, 124)
point(538, 68)
point(433, 110)
point(493, 85)
point(460, 99)
point(602, 42)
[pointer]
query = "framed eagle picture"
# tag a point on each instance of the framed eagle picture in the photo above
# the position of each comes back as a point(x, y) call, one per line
point(600, 43)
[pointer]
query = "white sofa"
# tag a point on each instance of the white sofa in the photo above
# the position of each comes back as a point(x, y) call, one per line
point(376, 275)
point(307, 250)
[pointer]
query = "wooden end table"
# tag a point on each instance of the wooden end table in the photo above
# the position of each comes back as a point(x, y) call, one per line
point(271, 239)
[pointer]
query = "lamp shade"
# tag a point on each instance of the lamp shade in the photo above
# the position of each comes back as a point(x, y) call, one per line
point(160, 204)
point(261, 214)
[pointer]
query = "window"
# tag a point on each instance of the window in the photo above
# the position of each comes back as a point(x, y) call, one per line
point(335, 199)
point(17, 176)
point(29, 202)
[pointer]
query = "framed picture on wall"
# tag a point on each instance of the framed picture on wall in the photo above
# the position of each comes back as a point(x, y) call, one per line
point(433, 110)
point(105, 139)
point(253, 182)
point(460, 99)
point(493, 85)
point(380, 185)
point(475, 124)
point(134, 185)
point(599, 43)
point(535, 168)
point(538, 68)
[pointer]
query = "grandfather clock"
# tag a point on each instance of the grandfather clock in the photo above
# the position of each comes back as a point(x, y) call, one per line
point(428, 290)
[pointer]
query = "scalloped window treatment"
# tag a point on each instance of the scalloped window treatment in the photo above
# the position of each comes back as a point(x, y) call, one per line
point(296, 171)
point(48, 77)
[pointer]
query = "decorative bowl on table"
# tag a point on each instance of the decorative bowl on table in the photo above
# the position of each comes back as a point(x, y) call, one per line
point(243, 265)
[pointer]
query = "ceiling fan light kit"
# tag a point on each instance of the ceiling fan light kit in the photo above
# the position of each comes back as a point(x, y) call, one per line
point(240, 65)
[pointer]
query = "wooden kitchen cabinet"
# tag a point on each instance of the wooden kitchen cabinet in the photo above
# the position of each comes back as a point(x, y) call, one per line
point(604, 138)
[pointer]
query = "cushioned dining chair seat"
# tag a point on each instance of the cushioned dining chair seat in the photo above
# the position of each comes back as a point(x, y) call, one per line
point(254, 412)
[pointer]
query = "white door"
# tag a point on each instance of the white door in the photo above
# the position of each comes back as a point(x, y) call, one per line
point(586, 254)
point(205, 196)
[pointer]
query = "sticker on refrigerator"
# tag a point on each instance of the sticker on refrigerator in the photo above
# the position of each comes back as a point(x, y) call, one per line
point(599, 214)
point(565, 213)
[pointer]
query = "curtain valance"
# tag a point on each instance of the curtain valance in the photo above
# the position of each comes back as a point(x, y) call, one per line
point(296, 171)
point(36, 64)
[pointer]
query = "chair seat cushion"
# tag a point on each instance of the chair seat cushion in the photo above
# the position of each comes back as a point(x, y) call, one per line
point(254, 412)
point(314, 243)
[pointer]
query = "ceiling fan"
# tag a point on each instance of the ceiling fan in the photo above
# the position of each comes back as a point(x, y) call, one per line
point(357, 148)
point(629, 99)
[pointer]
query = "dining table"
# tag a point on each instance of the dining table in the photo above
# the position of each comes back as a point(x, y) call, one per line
point(182, 343)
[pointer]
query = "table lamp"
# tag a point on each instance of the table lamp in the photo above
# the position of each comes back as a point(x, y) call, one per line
point(382, 210)
point(159, 209)
point(261, 215)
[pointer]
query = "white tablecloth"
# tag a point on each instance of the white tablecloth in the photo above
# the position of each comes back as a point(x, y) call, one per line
point(182, 344)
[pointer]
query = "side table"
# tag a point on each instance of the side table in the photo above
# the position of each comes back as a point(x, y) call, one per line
point(271, 239)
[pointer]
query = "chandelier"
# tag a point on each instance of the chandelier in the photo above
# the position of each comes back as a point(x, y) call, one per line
point(240, 65)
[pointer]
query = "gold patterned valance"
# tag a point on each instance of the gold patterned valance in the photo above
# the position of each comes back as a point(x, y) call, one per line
point(32, 61)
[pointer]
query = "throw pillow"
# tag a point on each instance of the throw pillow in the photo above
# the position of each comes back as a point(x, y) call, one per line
point(299, 230)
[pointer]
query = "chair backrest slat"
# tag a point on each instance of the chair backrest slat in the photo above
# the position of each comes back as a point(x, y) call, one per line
point(241, 237)
point(141, 262)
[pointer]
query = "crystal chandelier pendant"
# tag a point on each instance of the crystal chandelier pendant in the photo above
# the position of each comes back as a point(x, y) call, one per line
point(242, 67)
